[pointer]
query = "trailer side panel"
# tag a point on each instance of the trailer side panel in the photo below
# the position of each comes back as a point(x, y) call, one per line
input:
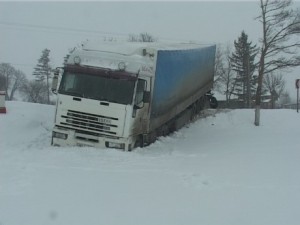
point(179, 75)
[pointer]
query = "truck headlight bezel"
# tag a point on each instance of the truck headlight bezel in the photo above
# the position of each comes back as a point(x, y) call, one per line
point(114, 145)
point(59, 135)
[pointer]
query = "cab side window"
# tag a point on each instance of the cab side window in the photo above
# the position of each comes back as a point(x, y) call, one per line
point(141, 87)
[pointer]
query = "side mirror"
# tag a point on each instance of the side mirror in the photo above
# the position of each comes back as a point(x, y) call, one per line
point(55, 81)
point(146, 97)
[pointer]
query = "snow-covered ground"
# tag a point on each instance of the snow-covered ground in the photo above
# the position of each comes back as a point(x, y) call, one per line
point(221, 170)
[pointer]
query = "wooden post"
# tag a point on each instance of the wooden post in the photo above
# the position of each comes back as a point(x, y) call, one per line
point(297, 86)
point(2, 102)
point(297, 100)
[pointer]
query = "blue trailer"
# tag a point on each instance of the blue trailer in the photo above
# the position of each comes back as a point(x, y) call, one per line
point(124, 95)
point(182, 77)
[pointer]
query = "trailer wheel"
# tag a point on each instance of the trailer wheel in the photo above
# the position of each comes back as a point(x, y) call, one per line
point(139, 142)
point(165, 130)
point(204, 102)
point(198, 106)
point(213, 103)
point(193, 111)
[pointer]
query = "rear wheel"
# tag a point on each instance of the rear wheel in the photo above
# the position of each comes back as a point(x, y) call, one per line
point(139, 142)
point(164, 130)
point(194, 111)
point(213, 102)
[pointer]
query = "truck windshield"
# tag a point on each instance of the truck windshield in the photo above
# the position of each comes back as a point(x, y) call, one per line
point(97, 87)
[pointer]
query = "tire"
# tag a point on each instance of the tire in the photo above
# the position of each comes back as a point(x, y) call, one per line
point(139, 142)
point(213, 103)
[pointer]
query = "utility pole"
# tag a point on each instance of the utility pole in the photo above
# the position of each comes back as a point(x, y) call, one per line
point(297, 86)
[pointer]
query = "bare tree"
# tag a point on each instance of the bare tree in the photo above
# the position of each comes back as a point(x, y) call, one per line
point(109, 39)
point(224, 74)
point(142, 37)
point(133, 38)
point(7, 71)
point(2, 82)
point(35, 91)
point(11, 80)
point(18, 80)
point(285, 98)
point(275, 86)
point(219, 68)
point(228, 76)
point(279, 48)
point(146, 37)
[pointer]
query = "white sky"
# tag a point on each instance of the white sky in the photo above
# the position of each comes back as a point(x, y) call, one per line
point(29, 27)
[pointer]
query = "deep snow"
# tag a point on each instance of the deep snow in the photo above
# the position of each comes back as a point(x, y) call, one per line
point(220, 170)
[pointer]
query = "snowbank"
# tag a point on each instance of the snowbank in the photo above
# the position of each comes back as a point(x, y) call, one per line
point(221, 170)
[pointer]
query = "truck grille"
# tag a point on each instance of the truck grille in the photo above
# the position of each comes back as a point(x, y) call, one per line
point(90, 122)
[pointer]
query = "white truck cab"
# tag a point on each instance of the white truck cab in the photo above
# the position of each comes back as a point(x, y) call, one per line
point(102, 98)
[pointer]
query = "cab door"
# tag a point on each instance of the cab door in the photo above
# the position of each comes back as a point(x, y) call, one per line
point(141, 113)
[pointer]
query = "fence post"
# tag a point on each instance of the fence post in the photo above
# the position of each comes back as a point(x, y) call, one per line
point(2, 102)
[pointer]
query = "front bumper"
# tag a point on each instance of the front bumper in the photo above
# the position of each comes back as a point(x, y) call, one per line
point(65, 137)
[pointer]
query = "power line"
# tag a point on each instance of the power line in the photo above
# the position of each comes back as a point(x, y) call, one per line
point(64, 29)
point(19, 64)
point(68, 30)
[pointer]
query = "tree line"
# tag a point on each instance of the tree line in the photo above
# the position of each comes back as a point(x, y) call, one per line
point(236, 75)
point(36, 90)
point(248, 72)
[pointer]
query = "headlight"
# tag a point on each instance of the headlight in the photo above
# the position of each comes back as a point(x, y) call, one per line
point(114, 145)
point(122, 66)
point(59, 135)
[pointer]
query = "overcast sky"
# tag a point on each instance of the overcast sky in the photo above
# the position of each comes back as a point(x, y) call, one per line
point(29, 27)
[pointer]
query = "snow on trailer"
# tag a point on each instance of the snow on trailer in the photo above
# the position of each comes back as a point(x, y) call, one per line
point(137, 56)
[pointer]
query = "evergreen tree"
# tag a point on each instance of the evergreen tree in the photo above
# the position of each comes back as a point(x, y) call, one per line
point(242, 61)
point(35, 91)
point(42, 71)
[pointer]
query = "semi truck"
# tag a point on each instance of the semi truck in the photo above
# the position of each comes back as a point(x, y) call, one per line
point(126, 95)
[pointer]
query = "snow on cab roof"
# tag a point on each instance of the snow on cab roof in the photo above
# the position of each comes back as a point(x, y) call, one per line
point(129, 48)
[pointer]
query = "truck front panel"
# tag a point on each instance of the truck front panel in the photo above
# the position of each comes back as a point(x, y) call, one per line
point(90, 122)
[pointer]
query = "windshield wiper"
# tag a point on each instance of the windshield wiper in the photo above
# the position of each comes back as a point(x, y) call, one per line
point(73, 93)
point(106, 100)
